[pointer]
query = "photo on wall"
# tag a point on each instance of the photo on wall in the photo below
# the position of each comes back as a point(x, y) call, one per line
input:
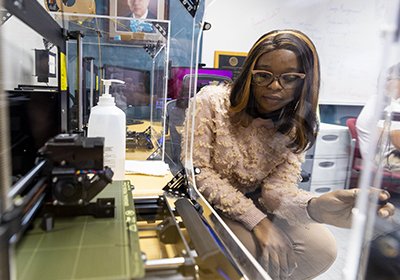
point(137, 16)
point(141, 9)
point(229, 60)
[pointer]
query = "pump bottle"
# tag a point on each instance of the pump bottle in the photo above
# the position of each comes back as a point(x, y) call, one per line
point(108, 121)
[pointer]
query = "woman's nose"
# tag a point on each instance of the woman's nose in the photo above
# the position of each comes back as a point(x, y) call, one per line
point(275, 85)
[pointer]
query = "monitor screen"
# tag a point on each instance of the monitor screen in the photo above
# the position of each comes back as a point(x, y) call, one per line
point(135, 91)
point(177, 74)
point(34, 119)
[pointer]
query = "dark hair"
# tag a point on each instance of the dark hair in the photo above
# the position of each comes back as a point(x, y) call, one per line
point(298, 119)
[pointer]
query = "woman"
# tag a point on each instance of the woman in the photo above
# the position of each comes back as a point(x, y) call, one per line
point(391, 130)
point(249, 143)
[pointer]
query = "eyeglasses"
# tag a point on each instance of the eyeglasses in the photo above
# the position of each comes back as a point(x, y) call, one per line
point(286, 80)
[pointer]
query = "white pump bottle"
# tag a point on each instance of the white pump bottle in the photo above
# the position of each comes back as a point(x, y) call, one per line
point(108, 121)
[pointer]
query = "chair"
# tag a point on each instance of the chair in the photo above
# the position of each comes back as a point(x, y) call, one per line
point(174, 123)
point(355, 155)
point(390, 180)
point(203, 80)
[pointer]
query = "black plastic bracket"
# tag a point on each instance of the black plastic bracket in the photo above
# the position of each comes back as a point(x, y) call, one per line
point(5, 15)
point(168, 232)
point(178, 186)
point(75, 35)
point(102, 208)
point(151, 49)
point(162, 28)
point(191, 6)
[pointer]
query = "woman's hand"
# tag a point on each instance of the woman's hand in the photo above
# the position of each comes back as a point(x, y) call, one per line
point(335, 207)
point(276, 248)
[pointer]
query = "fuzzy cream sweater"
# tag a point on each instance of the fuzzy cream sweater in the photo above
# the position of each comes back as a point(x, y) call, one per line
point(235, 160)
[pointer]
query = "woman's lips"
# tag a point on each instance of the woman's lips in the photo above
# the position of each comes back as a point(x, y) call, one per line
point(274, 98)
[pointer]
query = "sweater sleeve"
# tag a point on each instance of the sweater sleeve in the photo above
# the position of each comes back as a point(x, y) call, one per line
point(281, 195)
point(216, 189)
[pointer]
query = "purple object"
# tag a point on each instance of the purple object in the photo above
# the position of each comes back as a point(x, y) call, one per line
point(177, 74)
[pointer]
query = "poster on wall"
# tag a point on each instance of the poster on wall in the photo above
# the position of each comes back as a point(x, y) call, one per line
point(229, 60)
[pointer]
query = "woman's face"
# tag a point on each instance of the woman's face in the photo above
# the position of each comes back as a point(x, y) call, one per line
point(280, 91)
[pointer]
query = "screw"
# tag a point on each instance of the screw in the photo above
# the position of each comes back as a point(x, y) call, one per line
point(18, 4)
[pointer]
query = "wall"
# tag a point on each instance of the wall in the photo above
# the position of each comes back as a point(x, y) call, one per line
point(346, 34)
point(18, 55)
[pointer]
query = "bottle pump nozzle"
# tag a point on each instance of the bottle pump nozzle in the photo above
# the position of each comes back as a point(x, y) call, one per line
point(107, 83)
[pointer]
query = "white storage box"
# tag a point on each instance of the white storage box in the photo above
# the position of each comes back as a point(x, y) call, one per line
point(324, 188)
point(332, 141)
point(329, 170)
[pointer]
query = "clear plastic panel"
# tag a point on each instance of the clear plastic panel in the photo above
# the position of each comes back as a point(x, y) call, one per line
point(134, 51)
point(185, 39)
point(292, 211)
point(374, 243)
point(193, 82)
point(5, 170)
point(149, 54)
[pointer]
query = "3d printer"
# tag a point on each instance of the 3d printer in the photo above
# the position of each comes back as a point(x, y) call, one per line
point(67, 175)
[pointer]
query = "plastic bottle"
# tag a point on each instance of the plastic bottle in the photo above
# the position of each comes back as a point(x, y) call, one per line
point(108, 121)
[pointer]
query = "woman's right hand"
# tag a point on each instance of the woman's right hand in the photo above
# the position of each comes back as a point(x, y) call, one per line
point(276, 248)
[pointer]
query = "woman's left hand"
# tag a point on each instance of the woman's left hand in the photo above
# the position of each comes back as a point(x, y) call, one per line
point(335, 208)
